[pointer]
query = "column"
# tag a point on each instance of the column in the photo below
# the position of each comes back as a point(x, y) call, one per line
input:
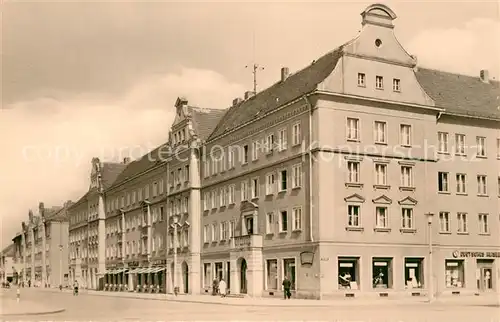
point(101, 231)
point(44, 242)
point(398, 276)
point(235, 279)
point(365, 267)
point(255, 273)
point(194, 220)
point(32, 232)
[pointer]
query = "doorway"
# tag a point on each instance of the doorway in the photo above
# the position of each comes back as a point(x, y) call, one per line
point(243, 276)
point(185, 277)
point(249, 224)
point(228, 275)
point(484, 275)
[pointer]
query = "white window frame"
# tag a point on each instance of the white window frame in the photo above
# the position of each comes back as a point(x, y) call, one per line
point(444, 222)
point(481, 146)
point(361, 79)
point(460, 140)
point(404, 176)
point(462, 223)
point(444, 181)
point(296, 134)
point(353, 172)
point(270, 183)
point(380, 177)
point(482, 185)
point(379, 82)
point(443, 142)
point(461, 186)
point(280, 220)
point(297, 218)
point(378, 217)
point(254, 188)
point(396, 85)
point(244, 190)
point(255, 150)
point(270, 223)
point(283, 139)
point(349, 215)
point(405, 138)
point(484, 227)
point(353, 132)
point(269, 143)
point(380, 132)
point(407, 220)
point(297, 176)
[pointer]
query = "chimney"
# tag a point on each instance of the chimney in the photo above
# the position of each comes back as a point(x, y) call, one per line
point(126, 160)
point(484, 75)
point(248, 94)
point(237, 101)
point(284, 73)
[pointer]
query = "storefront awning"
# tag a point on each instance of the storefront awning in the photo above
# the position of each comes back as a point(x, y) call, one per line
point(136, 271)
point(157, 269)
point(109, 271)
point(119, 270)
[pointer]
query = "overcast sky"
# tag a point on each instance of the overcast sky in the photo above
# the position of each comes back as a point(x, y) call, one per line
point(83, 79)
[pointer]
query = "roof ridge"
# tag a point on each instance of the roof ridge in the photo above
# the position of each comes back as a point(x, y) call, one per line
point(453, 73)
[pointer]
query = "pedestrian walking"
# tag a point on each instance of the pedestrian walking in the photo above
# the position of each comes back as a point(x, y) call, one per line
point(215, 286)
point(75, 288)
point(286, 288)
point(222, 288)
point(18, 294)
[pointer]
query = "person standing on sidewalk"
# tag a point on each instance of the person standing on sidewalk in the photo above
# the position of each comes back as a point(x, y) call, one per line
point(286, 288)
point(222, 288)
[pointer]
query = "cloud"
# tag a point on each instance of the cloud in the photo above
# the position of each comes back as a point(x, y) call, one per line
point(47, 144)
point(464, 50)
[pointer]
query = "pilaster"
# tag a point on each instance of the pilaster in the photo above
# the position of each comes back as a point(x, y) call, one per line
point(33, 243)
point(23, 241)
point(101, 231)
point(255, 277)
point(44, 254)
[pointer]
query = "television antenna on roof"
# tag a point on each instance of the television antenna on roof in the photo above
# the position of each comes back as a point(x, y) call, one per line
point(255, 67)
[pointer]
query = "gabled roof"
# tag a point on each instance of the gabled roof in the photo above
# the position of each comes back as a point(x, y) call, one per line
point(9, 251)
point(61, 214)
point(205, 120)
point(461, 94)
point(110, 172)
point(281, 93)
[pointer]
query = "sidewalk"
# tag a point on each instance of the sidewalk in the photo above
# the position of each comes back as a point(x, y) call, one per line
point(10, 307)
point(485, 300)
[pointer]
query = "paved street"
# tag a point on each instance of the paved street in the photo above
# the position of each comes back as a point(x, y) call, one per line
point(102, 308)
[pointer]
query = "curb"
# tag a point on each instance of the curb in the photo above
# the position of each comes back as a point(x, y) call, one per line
point(33, 313)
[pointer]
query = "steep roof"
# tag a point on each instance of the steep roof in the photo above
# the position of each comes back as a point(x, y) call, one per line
point(110, 172)
point(60, 213)
point(296, 85)
point(461, 94)
point(204, 121)
point(8, 251)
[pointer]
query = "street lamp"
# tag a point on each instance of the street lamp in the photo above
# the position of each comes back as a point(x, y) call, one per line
point(174, 277)
point(430, 265)
point(60, 265)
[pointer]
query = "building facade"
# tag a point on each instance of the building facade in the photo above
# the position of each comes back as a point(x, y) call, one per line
point(7, 268)
point(87, 226)
point(41, 249)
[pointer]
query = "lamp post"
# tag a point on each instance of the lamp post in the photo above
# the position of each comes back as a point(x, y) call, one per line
point(60, 265)
point(430, 265)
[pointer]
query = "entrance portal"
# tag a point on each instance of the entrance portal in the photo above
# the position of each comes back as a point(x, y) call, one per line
point(185, 277)
point(243, 276)
point(484, 275)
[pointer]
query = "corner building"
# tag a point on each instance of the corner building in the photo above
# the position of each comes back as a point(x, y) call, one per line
point(334, 177)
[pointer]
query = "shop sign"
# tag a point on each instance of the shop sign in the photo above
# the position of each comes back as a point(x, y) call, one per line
point(133, 264)
point(457, 254)
point(159, 262)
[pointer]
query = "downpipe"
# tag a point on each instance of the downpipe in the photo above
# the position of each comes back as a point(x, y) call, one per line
point(311, 235)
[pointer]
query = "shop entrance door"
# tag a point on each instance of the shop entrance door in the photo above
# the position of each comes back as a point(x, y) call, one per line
point(484, 275)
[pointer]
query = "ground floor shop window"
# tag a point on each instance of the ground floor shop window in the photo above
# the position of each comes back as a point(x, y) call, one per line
point(348, 273)
point(484, 274)
point(219, 271)
point(414, 272)
point(272, 274)
point(454, 276)
point(289, 270)
point(382, 272)
point(207, 278)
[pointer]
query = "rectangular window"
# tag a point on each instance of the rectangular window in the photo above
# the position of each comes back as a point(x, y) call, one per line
point(231, 156)
point(255, 150)
point(186, 173)
point(272, 274)
point(460, 144)
point(296, 134)
point(232, 194)
point(244, 190)
point(380, 132)
point(498, 148)
point(379, 82)
point(353, 216)
point(255, 188)
point(483, 224)
point(283, 221)
point(454, 273)
point(414, 273)
point(481, 146)
point(215, 166)
point(353, 129)
point(405, 134)
point(442, 142)
point(205, 234)
point(443, 181)
point(232, 228)
point(361, 80)
point(297, 176)
point(297, 218)
point(214, 232)
point(213, 199)
point(283, 140)
point(353, 172)
point(207, 275)
point(481, 185)
point(269, 143)
point(461, 183)
point(270, 184)
point(407, 218)
point(270, 223)
point(382, 273)
point(444, 222)
point(283, 183)
point(289, 271)
point(406, 176)
point(349, 273)
point(381, 174)
point(462, 222)
point(381, 217)
point(396, 85)
point(244, 157)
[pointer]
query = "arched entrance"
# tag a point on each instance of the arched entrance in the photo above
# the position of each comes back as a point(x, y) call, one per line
point(243, 275)
point(185, 277)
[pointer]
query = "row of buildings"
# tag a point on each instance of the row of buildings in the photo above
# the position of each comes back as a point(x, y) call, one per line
point(363, 173)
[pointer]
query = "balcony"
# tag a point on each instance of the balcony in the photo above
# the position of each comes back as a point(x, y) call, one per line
point(247, 241)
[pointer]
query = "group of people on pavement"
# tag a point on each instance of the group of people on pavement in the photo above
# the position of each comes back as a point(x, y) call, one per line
point(219, 286)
